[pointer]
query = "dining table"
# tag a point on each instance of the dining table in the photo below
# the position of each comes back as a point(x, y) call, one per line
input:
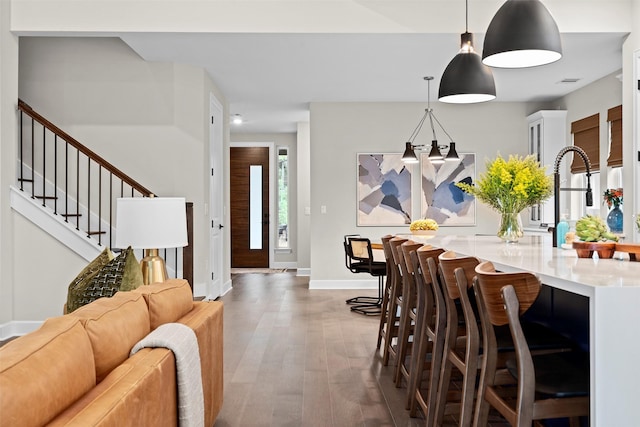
point(612, 289)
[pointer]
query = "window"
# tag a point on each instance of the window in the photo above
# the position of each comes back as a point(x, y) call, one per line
point(283, 198)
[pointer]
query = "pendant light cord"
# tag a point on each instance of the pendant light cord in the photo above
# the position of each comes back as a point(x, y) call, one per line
point(466, 16)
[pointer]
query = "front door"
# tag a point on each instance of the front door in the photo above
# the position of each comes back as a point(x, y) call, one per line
point(249, 176)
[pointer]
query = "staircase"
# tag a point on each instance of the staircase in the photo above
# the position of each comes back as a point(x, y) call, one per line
point(70, 192)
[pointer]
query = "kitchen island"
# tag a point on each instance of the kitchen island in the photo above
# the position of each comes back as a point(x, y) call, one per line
point(612, 287)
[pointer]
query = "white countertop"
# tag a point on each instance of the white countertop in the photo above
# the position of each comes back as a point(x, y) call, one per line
point(555, 266)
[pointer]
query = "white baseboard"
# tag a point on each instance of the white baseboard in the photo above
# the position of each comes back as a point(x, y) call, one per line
point(343, 284)
point(303, 272)
point(18, 328)
point(292, 264)
point(226, 288)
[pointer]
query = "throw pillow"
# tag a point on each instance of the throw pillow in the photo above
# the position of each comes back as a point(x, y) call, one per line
point(79, 285)
point(121, 273)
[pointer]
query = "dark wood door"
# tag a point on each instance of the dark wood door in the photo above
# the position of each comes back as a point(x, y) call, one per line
point(249, 166)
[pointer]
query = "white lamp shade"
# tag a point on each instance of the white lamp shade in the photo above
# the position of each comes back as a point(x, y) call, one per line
point(151, 222)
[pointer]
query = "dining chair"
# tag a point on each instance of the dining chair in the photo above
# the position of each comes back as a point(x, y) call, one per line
point(359, 259)
point(551, 385)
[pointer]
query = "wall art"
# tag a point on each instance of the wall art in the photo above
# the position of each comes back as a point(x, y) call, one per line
point(441, 200)
point(384, 190)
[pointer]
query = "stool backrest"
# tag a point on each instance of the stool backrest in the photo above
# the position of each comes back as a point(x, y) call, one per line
point(449, 263)
point(526, 286)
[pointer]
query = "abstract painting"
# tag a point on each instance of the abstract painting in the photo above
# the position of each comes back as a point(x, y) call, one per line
point(384, 190)
point(441, 200)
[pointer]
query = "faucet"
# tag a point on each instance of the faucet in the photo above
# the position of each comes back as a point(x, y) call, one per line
point(557, 189)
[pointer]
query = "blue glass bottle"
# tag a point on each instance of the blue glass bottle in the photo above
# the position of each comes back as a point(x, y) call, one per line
point(562, 228)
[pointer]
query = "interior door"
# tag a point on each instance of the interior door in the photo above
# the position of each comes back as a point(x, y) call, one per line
point(249, 198)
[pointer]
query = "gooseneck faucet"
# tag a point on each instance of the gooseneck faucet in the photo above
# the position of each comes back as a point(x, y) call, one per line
point(557, 189)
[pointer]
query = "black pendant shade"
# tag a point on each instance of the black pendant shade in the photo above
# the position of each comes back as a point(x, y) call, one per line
point(466, 79)
point(452, 155)
point(409, 156)
point(521, 34)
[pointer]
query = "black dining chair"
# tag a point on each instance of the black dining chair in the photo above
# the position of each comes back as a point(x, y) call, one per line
point(359, 259)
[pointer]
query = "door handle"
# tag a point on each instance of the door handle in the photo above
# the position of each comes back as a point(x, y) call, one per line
point(220, 226)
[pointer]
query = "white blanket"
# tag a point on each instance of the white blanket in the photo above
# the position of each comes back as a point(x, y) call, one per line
point(181, 340)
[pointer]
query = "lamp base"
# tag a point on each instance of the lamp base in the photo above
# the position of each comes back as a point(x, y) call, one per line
point(153, 267)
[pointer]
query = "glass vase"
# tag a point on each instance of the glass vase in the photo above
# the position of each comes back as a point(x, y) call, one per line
point(510, 227)
point(614, 220)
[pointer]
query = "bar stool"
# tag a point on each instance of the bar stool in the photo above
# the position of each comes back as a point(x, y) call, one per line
point(428, 336)
point(395, 302)
point(457, 277)
point(384, 315)
point(407, 310)
point(551, 385)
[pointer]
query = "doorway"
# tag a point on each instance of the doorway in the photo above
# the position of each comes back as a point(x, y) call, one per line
point(250, 206)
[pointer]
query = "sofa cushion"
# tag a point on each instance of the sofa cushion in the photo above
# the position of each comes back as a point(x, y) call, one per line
point(44, 372)
point(167, 301)
point(78, 287)
point(142, 391)
point(114, 325)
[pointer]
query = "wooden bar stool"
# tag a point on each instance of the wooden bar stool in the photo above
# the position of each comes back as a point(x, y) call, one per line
point(551, 385)
point(461, 352)
point(395, 301)
point(428, 336)
point(407, 310)
point(388, 284)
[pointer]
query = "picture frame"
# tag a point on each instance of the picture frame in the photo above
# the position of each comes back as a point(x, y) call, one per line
point(440, 199)
point(384, 196)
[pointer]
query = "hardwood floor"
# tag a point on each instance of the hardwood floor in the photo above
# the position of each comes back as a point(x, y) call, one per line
point(300, 357)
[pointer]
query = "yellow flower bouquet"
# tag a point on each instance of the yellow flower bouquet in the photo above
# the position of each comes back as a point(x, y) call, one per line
point(509, 186)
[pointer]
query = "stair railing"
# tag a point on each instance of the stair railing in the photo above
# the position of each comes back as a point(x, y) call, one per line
point(79, 185)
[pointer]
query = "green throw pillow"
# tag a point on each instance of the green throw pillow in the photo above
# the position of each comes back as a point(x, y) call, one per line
point(122, 273)
point(78, 286)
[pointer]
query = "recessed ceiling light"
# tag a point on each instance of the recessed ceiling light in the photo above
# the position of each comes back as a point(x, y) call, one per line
point(570, 80)
point(236, 119)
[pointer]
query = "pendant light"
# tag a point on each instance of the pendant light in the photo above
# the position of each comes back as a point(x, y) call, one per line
point(466, 79)
point(409, 156)
point(435, 155)
point(521, 34)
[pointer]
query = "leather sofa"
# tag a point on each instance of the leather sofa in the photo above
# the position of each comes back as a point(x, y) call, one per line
point(75, 370)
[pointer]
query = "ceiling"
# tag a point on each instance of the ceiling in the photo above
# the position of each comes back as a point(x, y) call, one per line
point(270, 79)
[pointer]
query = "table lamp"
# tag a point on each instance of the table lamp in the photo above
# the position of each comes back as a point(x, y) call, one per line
point(151, 223)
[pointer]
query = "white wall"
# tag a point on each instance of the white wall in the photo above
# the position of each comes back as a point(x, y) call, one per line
point(8, 103)
point(148, 119)
point(304, 198)
point(341, 130)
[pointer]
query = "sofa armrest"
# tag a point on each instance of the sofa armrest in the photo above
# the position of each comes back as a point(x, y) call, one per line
point(206, 320)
